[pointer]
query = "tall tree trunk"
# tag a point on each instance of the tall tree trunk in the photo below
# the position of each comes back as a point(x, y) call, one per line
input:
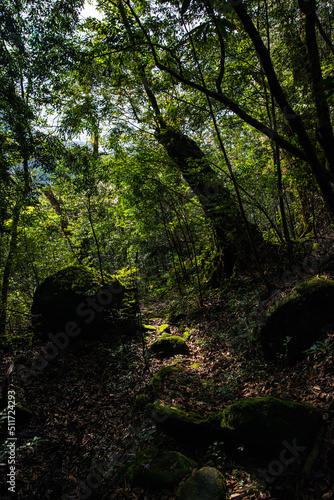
point(215, 199)
point(325, 130)
point(8, 268)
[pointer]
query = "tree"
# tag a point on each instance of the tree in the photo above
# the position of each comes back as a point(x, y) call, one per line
point(216, 199)
point(32, 51)
point(299, 142)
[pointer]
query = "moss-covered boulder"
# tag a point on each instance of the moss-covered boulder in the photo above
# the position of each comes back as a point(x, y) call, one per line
point(298, 321)
point(75, 302)
point(158, 469)
point(205, 484)
point(185, 426)
point(165, 373)
point(167, 346)
point(265, 423)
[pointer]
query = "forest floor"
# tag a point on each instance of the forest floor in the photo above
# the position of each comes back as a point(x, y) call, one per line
point(89, 417)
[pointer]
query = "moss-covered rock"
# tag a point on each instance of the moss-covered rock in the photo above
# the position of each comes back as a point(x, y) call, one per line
point(149, 328)
point(266, 422)
point(205, 484)
point(165, 328)
point(158, 469)
point(298, 321)
point(165, 372)
point(184, 426)
point(75, 300)
point(260, 426)
point(167, 346)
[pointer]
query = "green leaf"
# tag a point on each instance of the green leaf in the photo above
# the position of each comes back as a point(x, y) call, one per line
point(221, 27)
point(196, 32)
point(185, 6)
point(228, 24)
point(202, 29)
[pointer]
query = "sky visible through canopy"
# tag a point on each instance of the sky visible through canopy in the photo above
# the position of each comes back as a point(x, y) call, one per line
point(89, 10)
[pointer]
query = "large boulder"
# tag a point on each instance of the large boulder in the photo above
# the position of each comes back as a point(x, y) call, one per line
point(261, 424)
point(295, 323)
point(75, 302)
point(164, 375)
point(159, 469)
point(185, 425)
point(167, 346)
point(205, 484)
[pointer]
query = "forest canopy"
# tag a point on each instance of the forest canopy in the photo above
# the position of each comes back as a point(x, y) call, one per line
point(171, 142)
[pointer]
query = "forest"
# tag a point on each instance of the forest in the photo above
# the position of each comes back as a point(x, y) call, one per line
point(167, 250)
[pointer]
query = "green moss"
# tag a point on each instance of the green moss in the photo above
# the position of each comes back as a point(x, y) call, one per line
point(295, 323)
point(165, 328)
point(267, 422)
point(159, 469)
point(195, 366)
point(150, 328)
point(205, 484)
point(306, 289)
point(168, 345)
point(187, 334)
point(78, 279)
point(258, 424)
point(183, 425)
point(161, 412)
point(177, 360)
point(163, 373)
